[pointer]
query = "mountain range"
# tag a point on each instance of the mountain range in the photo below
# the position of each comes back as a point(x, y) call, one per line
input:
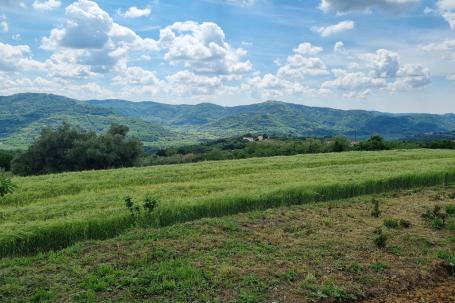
point(22, 116)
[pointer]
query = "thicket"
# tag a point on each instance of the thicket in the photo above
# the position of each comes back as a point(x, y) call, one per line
point(69, 148)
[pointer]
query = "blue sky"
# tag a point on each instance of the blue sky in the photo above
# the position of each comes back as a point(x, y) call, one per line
point(388, 55)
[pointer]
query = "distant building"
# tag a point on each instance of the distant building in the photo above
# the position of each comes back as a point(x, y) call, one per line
point(260, 138)
point(249, 139)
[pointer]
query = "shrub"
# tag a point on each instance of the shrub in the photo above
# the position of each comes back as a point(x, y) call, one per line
point(6, 186)
point(375, 212)
point(381, 238)
point(437, 217)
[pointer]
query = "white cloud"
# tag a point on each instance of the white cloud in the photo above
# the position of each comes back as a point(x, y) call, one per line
point(240, 2)
point(16, 57)
point(451, 77)
point(186, 83)
point(202, 48)
point(46, 5)
point(411, 76)
point(444, 50)
point(349, 6)
point(270, 86)
point(307, 48)
point(447, 10)
point(336, 28)
point(90, 37)
point(338, 47)
point(134, 12)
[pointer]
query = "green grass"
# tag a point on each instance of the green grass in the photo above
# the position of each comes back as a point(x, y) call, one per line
point(286, 254)
point(54, 211)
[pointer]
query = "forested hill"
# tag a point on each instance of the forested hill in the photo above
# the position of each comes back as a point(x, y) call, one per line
point(281, 118)
point(22, 116)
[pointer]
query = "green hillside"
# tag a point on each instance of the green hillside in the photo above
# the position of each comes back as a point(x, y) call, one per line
point(281, 118)
point(22, 116)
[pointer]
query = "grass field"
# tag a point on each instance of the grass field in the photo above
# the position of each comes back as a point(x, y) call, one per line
point(54, 211)
point(317, 252)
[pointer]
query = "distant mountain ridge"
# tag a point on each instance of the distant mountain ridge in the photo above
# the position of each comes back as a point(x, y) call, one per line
point(22, 116)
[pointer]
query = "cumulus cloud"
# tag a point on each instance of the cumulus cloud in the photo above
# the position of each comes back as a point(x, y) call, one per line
point(90, 37)
point(447, 10)
point(307, 48)
point(184, 83)
point(134, 12)
point(201, 48)
point(336, 28)
point(380, 70)
point(349, 6)
point(16, 57)
point(270, 86)
point(338, 47)
point(46, 5)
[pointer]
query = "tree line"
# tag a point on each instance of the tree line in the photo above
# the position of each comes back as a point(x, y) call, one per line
point(70, 148)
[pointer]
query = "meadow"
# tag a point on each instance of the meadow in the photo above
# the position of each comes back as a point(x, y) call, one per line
point(55, 211)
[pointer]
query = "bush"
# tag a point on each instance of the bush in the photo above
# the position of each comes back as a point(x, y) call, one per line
point(6, 186)
point(71, 149)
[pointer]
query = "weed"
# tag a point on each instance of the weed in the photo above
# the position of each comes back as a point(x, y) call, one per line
point(6, 186)
point(381, 239)
point(437, 223)
point(391, 223)
point(379, 266)
point(355, 268)
point(41, 296)
point(375, 212)
point(450, 209)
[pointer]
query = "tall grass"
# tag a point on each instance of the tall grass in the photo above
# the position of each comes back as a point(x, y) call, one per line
point(54, 211)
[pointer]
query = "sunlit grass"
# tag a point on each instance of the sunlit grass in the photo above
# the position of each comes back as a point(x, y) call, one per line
point(55, 211)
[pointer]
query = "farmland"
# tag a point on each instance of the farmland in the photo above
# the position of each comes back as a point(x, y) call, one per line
point(305, 253)
point(55, 211)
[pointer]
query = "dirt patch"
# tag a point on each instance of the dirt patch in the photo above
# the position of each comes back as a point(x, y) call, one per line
point(442, 293)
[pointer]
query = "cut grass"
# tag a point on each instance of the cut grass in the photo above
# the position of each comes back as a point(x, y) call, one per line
point(54, 211)
point(287, 254)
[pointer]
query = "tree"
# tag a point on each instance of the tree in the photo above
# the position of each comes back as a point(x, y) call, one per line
point(374, 143)
point(71, 149)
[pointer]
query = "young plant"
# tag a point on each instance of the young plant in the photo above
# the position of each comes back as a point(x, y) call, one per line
point(381, 238)
point(450, 209)
point(129, 203)
point(375, 212)
point(150, 203)
point(6, 186)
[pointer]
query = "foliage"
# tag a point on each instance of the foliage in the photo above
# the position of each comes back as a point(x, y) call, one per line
point(70, 149)
point(6, 156)
point(437, 217)
point(6, 186)
point(374, 143)
point(450, 209)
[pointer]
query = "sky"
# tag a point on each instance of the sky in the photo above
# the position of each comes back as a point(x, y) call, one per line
point(386, 55)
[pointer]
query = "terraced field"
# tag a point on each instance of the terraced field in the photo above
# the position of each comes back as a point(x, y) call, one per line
point(54, 211)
